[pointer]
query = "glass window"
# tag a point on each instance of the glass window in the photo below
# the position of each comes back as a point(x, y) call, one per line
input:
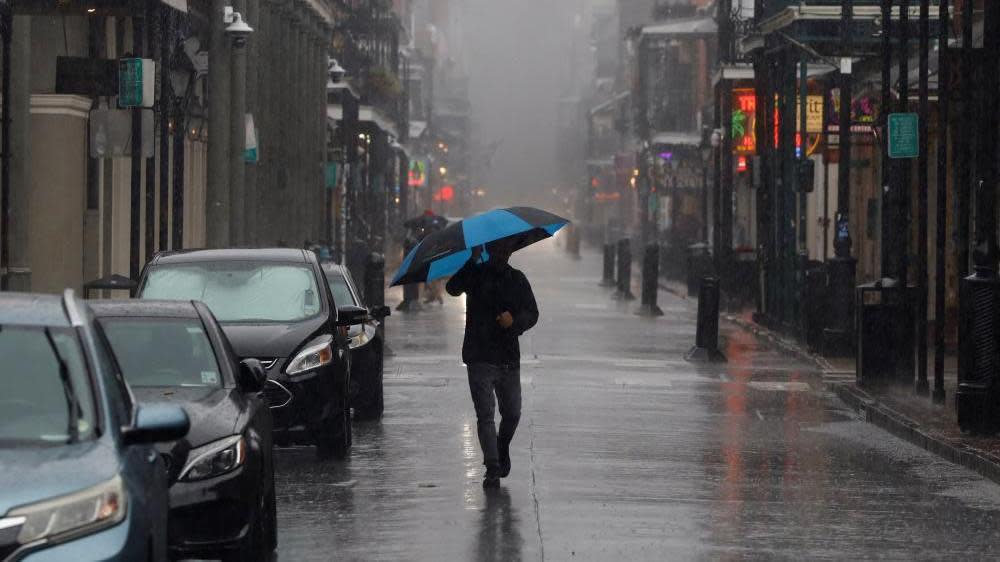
point(163, 351)
point(240, 291)
point(342, 294)
point(41, 401)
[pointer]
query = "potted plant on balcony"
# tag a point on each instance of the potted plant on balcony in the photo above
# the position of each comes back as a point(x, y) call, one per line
point(383, 85)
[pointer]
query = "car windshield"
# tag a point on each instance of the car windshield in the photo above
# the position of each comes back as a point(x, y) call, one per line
point(163, 351)
point(239, 291)
point(342, 294)
point(45, 393)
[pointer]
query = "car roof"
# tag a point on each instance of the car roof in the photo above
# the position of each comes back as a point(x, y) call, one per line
point(144, 309)
point(332, 267)
point(32, 309)
point(234, 254)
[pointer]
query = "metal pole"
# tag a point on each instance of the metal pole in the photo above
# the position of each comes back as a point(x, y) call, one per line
point(6, 28)
point(135, 206)
point(923, 387)
point(985, 254)
point(942, 201)
point(165, 17)
point(237, 137)
point(965, 159)
point(888, 235)
point(150, 32)
point(217, 202)
point(251, 196)
point(903, 188)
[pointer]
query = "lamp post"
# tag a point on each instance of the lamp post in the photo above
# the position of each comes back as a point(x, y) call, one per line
point(237, 31)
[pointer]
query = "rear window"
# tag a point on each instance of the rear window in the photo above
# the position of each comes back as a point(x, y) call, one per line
point(163, 351)
point(240, 291)
point(42, 401)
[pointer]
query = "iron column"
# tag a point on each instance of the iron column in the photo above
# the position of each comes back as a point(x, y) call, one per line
point(217, 189)
point(922, 387)
point(942, 201)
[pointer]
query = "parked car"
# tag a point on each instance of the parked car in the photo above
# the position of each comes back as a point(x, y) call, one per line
point(367, 344)
point(275, 306)
point(80, 478)
point(222, 502)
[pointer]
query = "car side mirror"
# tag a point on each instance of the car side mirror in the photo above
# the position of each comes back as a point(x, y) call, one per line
point(350, 315)
point(252, 375)
point(157, 423)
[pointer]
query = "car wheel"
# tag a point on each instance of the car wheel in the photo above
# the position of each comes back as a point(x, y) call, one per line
point(253, 548)
point(369, 404)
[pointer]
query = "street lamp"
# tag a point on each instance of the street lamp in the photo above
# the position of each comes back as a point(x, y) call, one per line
point(443, 171)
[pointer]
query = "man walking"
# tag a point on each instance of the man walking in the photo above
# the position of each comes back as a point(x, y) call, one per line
point(500, 306)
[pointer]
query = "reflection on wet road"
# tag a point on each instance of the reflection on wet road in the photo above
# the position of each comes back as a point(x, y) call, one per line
point(625, 452)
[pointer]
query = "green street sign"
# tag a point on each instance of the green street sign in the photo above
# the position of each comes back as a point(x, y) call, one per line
point(904, 137)
point(136, 79)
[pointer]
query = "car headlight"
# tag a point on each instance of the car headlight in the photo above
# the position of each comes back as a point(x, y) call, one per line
point(73, 515)
point(215, 458)
point(359, 340)
point(313, 356)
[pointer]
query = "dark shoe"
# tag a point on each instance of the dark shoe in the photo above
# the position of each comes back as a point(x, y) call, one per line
point(491, 482)
point(504, 469)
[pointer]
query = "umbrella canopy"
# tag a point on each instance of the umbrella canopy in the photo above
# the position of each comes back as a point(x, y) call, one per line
point(442, 253)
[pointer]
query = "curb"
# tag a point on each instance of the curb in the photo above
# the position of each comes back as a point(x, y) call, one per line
point(985, 464)
point(982, 463)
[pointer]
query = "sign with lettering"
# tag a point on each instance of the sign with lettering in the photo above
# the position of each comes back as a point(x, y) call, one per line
point(904, 135)
point(744, 122)
point(136, 83)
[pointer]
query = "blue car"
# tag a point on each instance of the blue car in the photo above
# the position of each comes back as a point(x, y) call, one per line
point(80, 478)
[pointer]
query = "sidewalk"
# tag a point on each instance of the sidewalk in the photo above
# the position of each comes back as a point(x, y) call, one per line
point(896, 409)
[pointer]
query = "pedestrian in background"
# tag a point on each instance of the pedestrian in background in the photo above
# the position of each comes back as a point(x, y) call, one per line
point(500, 306)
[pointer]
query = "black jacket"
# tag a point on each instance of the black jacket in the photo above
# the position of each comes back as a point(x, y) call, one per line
point(491, 290)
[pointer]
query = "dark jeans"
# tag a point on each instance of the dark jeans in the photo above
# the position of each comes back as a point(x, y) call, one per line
point(505, 381)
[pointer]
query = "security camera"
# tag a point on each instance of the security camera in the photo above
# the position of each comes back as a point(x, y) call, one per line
point(237, 29)
point(336, 71)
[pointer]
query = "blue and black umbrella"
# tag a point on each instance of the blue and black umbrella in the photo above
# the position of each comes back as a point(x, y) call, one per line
point(442, 253)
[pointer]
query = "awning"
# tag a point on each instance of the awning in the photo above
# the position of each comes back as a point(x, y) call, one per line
point(366, 114)
point(676, 139)
point(101, 8)
point(417, 129)
point(687, 26)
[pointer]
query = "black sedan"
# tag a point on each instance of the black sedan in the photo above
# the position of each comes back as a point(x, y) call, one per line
point(367, 343)
point(222, 501)
point(275, 306)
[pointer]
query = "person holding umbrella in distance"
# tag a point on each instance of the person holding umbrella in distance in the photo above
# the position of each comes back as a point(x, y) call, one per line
point(500, 306)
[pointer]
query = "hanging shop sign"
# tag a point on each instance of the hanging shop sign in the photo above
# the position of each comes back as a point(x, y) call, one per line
point(418, 173)
point(814, 114)
point(250, 154)
point(136, 83)
point(744, 121)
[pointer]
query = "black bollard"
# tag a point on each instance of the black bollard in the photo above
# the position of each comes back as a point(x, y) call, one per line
point(706, 346)
point(650, 281)
point(624, 289)
point(411, 291)
point(609, 266)
point(573, 241)
point(375, 280)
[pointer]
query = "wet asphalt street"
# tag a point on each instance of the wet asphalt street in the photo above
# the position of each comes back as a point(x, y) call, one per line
point(625, 452)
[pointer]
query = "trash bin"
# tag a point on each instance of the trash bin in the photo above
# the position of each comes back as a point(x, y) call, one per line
point(977, 398)
point(885, 344)
point(699, 265)
point(814, 304)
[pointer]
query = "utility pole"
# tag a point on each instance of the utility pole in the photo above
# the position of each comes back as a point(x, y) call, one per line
point(237, 136)
point(217, 202)
point(922, 387)
point(944, 75)
point(135, 184)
